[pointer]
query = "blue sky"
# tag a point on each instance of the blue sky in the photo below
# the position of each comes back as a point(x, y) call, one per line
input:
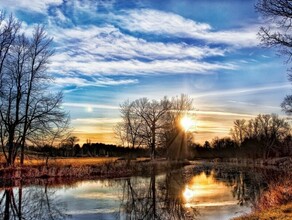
point(109, 51)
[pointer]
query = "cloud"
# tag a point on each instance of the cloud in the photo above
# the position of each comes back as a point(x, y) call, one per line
point(110, 43)
point(96, 120)
point(135, 67)
point(232, 92)
point(94, 125)
point(218, 113)
point(107, 51)
point(255, 104)
point(86, 105)
point(170, 24)
point(39, 6)
point(101, 81)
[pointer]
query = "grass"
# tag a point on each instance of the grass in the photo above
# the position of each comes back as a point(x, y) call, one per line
point(283, 212)
point(78, 161)
point(70, 161)
point(105, 167)
point(275, 203)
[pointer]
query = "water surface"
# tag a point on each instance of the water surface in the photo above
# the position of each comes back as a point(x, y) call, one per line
point(196, 194)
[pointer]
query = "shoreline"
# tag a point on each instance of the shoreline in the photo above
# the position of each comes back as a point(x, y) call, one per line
point(278, 164)
point(56, 175)
point(13, 176)
point(116, 168)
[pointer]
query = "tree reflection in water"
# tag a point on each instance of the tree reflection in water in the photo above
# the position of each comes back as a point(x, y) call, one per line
point(186, 193)
point(247, 186)
point(30, 203)
point(157, 197)
point(176, 196)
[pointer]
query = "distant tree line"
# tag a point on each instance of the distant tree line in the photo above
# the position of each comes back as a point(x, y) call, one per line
point(88, 150)
point(262, 137)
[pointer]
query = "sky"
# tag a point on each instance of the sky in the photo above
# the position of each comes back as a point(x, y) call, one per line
point(110, 51)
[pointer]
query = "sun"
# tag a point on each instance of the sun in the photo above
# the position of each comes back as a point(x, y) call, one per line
point(186, 123)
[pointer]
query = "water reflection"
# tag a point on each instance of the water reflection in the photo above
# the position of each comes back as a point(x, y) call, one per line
point(193, 193)
point(158, 197)
point(30, 203)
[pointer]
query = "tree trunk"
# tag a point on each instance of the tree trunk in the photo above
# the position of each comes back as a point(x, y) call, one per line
point(153, 188)
point(10, 160)
point(7, 204)
point(153, 142)
point(20, 202)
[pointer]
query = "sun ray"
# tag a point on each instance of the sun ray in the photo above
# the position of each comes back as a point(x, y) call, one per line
point(186, 123)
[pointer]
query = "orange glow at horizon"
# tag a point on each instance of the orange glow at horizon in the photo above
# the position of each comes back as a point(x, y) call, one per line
point(206, 126)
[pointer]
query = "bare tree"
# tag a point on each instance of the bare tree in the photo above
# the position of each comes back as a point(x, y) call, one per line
point(28, 109)
point(272, 129)
point(176, 140)
point(152, 123)
point(238, 131)
point(278, 33)
point(152, 113)
point(129, 131)
point(269, 130)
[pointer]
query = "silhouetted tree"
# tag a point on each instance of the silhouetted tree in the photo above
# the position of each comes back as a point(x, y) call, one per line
point(27, 108)
point(268, 130)
point(238, 131)
point(278, 33)
point(152, 123)
point(130, 130)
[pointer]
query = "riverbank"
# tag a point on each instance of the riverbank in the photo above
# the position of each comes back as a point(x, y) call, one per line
point(283, 212)
point(280, 163)
point(275, 203)
point(79, 170)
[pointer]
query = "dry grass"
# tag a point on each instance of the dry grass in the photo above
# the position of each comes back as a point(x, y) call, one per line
point(283, 212)
point(279, 193)
point(75, 162)
point(87, 168)
point(71, 161)
point(275, 203)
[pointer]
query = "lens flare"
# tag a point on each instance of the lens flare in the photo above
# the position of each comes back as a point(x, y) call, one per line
point(186, 123)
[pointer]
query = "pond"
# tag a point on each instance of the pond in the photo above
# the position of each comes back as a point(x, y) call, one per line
point(189, 193)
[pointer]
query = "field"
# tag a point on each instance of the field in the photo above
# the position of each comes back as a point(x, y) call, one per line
point(78, 161)
point(70, 161)
point(73, 161)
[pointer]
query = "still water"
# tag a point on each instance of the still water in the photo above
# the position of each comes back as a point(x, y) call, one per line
point(192, 193)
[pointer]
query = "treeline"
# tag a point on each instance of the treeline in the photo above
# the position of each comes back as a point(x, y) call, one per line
point(89, 150)
point(265, 136)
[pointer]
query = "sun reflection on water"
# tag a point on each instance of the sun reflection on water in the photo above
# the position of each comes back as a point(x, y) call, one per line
point(205, 190)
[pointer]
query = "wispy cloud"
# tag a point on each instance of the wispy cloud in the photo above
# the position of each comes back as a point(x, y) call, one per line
point(99, 82)
point(109, 42)
point(89, 105)
point(108, 51)
point(96, 120)
point(243, 90)
point(170, 24)
point(218, 113)
point(135, 67)
point(254, 105)
point(39, 6)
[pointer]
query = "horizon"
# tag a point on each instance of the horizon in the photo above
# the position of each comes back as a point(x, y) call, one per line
point(108, 52)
